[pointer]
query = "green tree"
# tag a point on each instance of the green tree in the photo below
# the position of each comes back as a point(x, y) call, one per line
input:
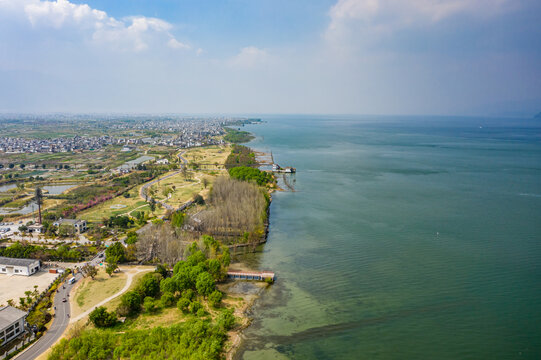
point(195, 306)
point(198, 199)
point(215, 298)
point(131, 238)
point(38, 196)
point(177, 219)
point(205, 284)
point(110, 268)
point(183, 304)
point(149, 285)
point(162, 270)
point(225, 320)
point(130, 303)
point(150, 305)
point(116, 253)
point(89, 270)
point(167, 299)
point(101, 318)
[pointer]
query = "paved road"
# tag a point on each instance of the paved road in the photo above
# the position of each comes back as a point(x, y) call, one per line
point(61, 321)
point(129, 280)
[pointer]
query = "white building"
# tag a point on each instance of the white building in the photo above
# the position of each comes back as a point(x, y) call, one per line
point(11, 323)
point(11, 266)
point(162, 162)
point(78, 225)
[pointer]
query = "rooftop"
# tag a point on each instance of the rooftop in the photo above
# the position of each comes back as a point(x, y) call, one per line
point(9, 314)
point(16, 262)
point(68, 221)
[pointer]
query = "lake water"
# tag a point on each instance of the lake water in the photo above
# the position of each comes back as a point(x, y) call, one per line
point(407, 238)
point(32, 206)
point(7, 187)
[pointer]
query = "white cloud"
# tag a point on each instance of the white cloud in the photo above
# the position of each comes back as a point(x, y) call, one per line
point(248, 57)
point(175, 44)
point(126, 34)
point(384, 16)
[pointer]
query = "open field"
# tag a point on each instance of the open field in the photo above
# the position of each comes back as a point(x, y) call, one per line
point(109, 156)
point(113, 304)
point(14, 286)
point(183, 191)
point(208, 155)
point(90, 292)
point(186, 188)
point(117, 206)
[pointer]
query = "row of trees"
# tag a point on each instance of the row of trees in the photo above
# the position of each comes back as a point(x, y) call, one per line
point(43, 253)
point(240, 156)
point(245, 173)
point(23, 166)
point(236, 208)
point(194, 339)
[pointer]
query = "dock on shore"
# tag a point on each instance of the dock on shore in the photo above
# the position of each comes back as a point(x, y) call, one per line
point(251, 275)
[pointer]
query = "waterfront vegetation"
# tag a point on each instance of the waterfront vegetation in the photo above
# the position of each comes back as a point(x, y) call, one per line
point(236, 212)
point(198, 330)
point(236, 136)
point(171, 312)
point(240, 156)
point(245, 173)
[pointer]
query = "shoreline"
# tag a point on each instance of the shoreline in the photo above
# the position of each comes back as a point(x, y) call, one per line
point(235, 338)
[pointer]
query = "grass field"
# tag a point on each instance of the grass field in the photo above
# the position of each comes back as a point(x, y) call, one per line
point(91, 292)
point(104, 210)
point(208, 155)
point(113, 304)
point(185, 188)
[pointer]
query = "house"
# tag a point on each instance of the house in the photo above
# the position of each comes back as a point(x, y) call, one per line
point(162, 162)
point(35, 228)
point(78, 225)
point(12, 266)
point(11, 323)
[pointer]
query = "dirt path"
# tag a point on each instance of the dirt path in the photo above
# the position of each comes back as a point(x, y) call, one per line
point(129, 280)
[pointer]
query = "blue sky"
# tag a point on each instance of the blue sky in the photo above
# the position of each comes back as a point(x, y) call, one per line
point(453, 57)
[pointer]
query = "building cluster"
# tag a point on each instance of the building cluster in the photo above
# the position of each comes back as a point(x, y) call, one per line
point(76, 143)
point(177, 132)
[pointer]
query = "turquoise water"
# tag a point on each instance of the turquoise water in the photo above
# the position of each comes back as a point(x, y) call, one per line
point(407, 238)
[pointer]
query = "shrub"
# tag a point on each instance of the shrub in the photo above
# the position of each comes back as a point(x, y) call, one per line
point(195, 306)
point(215, 298)
point(225, 320)
point(150, 305)
point(130, 303)
point(183, 304)
point(101, 318)
point(167, 299)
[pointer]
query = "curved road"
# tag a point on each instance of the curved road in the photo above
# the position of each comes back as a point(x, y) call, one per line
point(143, 189)
point(60, 322)
point(129, 280)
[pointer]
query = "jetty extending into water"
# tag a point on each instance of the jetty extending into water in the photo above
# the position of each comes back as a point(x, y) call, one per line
point(251, 275)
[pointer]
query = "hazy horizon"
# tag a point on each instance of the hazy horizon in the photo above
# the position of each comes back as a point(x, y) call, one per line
point(380, 57)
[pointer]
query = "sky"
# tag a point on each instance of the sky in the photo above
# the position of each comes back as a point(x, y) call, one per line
point(388, 57)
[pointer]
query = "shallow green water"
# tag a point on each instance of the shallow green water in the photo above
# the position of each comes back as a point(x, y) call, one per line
point(407, 238)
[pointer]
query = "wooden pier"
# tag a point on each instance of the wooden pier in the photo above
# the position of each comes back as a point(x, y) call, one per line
point(251, 275)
